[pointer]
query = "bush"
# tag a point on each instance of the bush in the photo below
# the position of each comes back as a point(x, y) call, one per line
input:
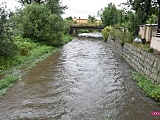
point(38, 23)
point(151, 50)
point(106, 32)
point(117, 33)
point(122, 37)
point(7, 47)
point(128, 37)
point(5, 62)
point(24, 45)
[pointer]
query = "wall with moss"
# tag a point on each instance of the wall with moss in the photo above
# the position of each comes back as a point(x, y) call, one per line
point(141, 61)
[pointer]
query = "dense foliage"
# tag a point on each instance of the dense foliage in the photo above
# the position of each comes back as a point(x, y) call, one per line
point(106, 32)
point(30, 1)
point(54, 5)
point(110, 15)
point(69, 19)
point(91, 19)
point(122, 35)
point(132, 14)
point(41, 25)
point(145, 8)
point(37, 24)
point(44, 23)
point(133, 23)
point(7, 47)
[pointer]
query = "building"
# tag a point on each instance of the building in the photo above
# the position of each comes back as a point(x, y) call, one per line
point(83, 21)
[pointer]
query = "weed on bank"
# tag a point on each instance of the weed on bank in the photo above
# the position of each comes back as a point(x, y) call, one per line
point(152, 90)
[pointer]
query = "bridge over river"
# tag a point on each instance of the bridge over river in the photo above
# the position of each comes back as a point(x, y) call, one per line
point(84, 80)
point(86, 27)
point(73, 28)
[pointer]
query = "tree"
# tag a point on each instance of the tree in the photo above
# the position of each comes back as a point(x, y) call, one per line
point(37, 22)
point(54, 5)
point(145, 8)
point(152, 19)
point(110, 15)
point(99, 13)
point(133, 23)
point(7, 46)
point(30, 1)
point(70, 19)
point(91, 19)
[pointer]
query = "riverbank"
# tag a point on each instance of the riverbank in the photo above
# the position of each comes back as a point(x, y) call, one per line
point(85, 79)
point(13, 70)
point(17, 72)
point(147, 86)
point(145, 64)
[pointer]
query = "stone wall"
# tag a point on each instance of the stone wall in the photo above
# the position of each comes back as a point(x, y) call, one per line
point(141, 61)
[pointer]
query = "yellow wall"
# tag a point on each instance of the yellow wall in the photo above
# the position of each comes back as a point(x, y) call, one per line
point(82, 21)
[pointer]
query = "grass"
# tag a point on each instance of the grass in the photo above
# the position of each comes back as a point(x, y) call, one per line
point(144, 47)
point(7, 83)
point(147, 48)
point(66, 39)
point(34, 53)
point(146, 84)
point(38, 53)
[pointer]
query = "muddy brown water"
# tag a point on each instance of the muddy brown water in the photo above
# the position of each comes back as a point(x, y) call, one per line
point(84, 80)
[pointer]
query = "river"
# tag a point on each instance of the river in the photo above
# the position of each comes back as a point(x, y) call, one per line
point(84, 80)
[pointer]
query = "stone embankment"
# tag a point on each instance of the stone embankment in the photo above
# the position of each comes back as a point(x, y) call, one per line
point(140, 60)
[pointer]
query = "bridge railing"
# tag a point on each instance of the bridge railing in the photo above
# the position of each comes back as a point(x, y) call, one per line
point(85, 24)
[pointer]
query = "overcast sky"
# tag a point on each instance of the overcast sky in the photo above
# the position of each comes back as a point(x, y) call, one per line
point(83, 8)
point(76, 8)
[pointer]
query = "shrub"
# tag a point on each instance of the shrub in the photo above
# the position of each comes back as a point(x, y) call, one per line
point(4, 62)
point(24, 45)
point(106, 32)
point(121, 36)
point(128, 37)
point(7, 47)
point(151, 50)
point(38, 23)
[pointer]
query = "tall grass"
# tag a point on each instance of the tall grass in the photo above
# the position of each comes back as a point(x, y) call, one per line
point(6, 63)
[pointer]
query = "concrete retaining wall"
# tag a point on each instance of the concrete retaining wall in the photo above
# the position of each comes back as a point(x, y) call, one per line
point(147, 30)
point(141, 61)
